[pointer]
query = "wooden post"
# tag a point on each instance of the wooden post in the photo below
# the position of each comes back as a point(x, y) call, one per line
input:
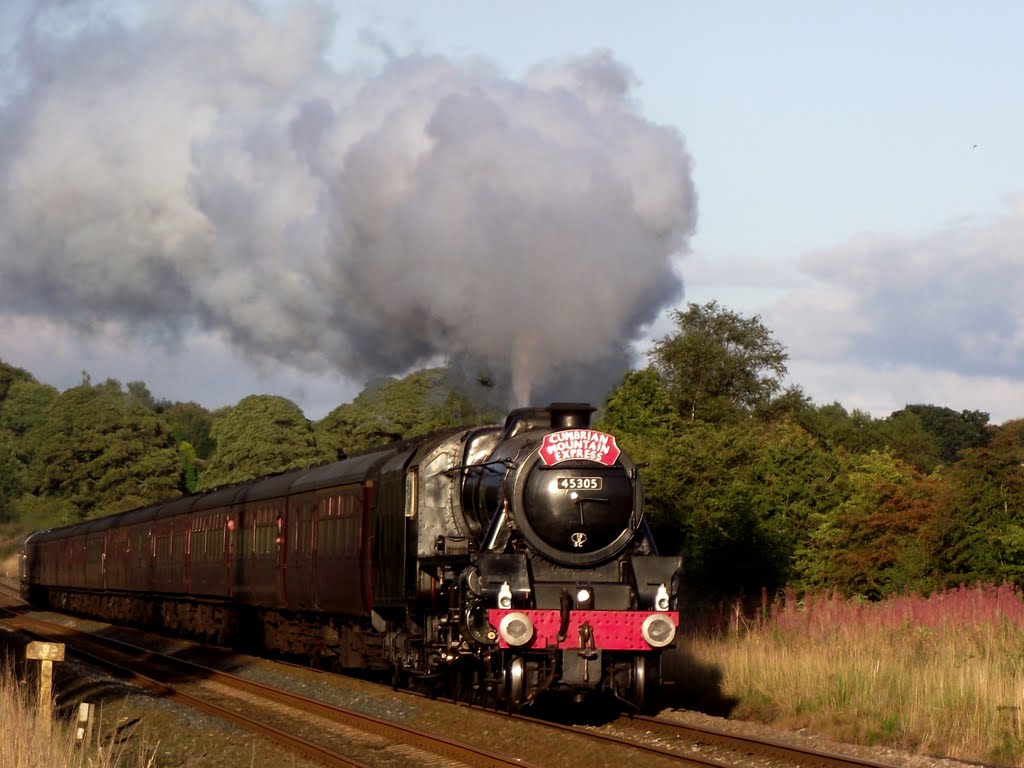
point(47, 653)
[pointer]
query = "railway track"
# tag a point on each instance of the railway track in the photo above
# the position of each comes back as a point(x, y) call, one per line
point(270, 712)
point(652, 741)
point(676, 739)
point(662, 738)
point(685, 737)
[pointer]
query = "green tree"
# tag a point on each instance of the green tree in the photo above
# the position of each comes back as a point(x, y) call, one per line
point(395, 409)
point(21, 410)
point(12, 477)
point(262, 435)
point(140, 392)
point(834, 426)
point(883, 538)
point(952, 431)
point(735, 498)
point(102, 451)
point(9, 374)
point(189, 469)
point(748, 493)
point(719, 364)
point(639, 406)
point(984, 511)
point(903, 434)
point(191, 423)
point(24, 406)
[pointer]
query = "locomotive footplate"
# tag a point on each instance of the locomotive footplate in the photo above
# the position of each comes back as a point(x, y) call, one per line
point(534, 629)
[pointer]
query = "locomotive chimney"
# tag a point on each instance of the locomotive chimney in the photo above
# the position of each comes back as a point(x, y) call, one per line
point(570, 415)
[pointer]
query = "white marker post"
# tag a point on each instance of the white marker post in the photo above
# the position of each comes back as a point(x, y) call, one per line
point(47, 653)
point(84, 733)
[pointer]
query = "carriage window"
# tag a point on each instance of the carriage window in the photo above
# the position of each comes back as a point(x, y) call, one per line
point(215, 543)
point(325, 545)
point(264, 540)
point(304, 534)
point(245, 540)
point(266, 531)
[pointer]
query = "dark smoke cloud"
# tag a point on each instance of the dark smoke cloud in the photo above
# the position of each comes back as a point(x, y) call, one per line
point(203, 166)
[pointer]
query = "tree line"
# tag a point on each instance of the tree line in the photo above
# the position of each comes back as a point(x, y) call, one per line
point(98, 449)
point(756, 485)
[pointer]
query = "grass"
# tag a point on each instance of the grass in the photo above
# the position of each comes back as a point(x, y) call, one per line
point(27, 741)
point(938, 675)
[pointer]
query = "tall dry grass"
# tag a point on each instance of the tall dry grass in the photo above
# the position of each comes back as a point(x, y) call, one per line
point(27, 741)
point(938, 675)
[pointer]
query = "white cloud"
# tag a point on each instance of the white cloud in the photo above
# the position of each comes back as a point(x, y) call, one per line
point(882, 390)
point(889, 320)
point(950, 300)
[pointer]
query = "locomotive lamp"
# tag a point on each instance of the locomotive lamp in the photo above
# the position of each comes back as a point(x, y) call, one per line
point(516, 629)
point(658, 630)
point(661, 599)
point(505, 596)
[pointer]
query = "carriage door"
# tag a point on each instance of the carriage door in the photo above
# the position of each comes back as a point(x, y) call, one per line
point(300, 593)
point(230, 531)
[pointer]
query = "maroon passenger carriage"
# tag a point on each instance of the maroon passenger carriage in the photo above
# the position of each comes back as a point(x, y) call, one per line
point(510, 559)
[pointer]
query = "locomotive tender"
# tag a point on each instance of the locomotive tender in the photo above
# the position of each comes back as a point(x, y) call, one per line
point(507, 561)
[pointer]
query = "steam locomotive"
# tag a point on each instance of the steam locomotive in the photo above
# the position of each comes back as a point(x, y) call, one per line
point(505, 562)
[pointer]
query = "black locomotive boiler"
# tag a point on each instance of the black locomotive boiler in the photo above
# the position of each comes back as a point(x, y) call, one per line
point(510, 561)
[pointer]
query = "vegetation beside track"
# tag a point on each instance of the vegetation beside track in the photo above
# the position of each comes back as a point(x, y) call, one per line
point(942, 675)
point(26, 741)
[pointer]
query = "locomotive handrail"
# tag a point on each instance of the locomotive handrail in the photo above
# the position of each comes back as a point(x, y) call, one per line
point(486, 465)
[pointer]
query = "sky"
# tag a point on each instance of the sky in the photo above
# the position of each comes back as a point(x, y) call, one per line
point(226, 198)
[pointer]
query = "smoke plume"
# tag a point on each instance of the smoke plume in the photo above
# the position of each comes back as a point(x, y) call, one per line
point(203, 165)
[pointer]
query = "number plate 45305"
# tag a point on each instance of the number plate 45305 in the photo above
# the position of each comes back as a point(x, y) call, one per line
point(579, 483)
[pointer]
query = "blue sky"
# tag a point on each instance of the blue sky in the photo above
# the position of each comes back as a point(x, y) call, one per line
point(857, 170)
point(808, 121)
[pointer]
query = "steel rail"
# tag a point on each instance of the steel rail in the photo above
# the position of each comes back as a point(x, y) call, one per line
point(691, 734)
point(454, 750)
point(761, 746)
